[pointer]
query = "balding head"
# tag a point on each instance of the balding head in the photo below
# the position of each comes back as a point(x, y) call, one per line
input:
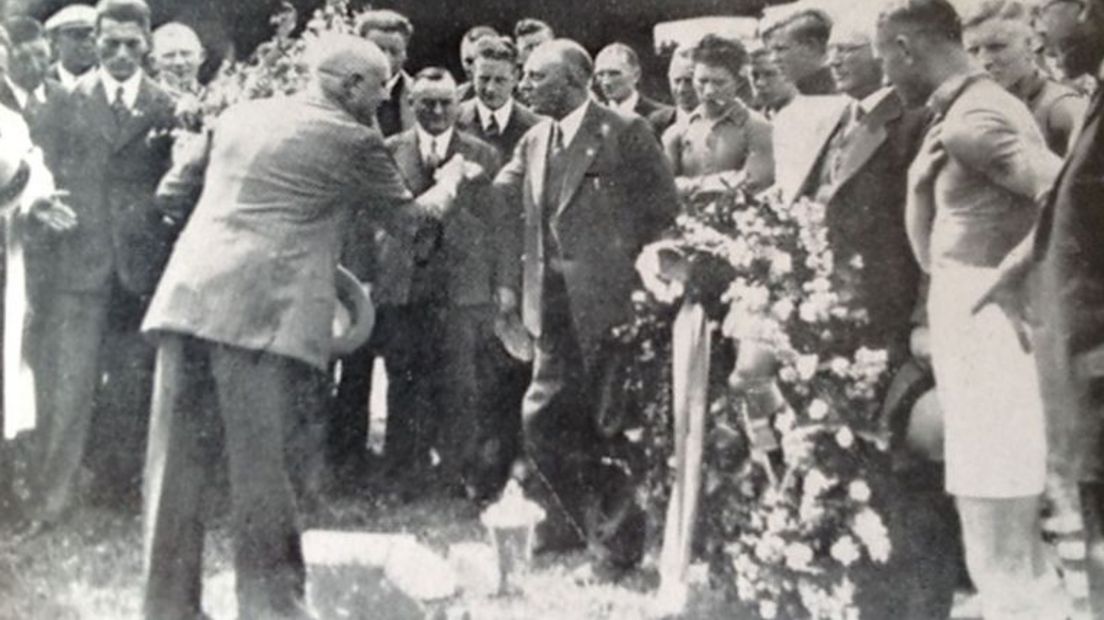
point(177, 55)
point(349, 71)
point(557, 77)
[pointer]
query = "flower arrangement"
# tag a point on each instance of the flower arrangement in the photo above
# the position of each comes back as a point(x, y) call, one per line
point(790, 478)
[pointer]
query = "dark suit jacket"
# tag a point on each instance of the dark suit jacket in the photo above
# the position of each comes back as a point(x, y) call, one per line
point(617, 195)
point(1070, 303)
point(111, 171)
point(866, 216)
point(462, 268)
point(254, 266)
point(521, 119)
point(33, 115)
point(396, 113)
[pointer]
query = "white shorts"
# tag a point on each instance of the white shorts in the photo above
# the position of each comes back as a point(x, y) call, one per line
point(995, 442)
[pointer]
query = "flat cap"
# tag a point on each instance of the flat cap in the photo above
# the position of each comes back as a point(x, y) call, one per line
point(72, 16)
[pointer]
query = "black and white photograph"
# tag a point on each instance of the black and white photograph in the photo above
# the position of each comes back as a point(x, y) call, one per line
point(545, 310)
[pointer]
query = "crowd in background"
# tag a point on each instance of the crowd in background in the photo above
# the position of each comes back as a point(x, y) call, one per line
point(934, 133)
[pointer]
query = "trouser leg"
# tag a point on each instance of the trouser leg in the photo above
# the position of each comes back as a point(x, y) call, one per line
point(71, 332)
point(178, 461)
point(412, 357)
point(1002, 540)
point(347, 425)
point(257, 394)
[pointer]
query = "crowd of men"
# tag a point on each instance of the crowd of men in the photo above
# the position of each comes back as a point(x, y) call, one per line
point(191, 292)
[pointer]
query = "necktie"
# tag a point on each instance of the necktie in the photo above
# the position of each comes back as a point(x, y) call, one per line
point(432, 160)
point(556, 140)
point(119, 106)
point(492, 127)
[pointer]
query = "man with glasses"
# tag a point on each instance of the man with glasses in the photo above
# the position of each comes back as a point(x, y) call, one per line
point(72, 32)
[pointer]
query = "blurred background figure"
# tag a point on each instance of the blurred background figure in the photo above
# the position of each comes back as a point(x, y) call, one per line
point(617, 78)
point(467, 57)
point(26, 89)
point(177, 56)
point(680, 78)
point(799, 46)
point(391, 32)
point(998, 34)
point(528, 34)
point(773, 90)
point(71, 32)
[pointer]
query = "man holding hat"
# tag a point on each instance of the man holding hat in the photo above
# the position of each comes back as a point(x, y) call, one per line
point(72, 31)
point(244, 311)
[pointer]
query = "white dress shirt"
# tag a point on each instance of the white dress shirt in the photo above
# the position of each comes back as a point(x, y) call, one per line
point(130, 87)
point(569, 125)
point(67, 79)
point(628, 104)
point(501, 116)
point(433, 148)
point(21, 95)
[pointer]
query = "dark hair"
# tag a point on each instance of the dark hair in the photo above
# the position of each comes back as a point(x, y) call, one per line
point(811, 27)
point(385, 20)
point(529, 26)
point(126, 11)
point(22, 29)
point(935, 18)
point(434, 74)
point(476, 33)
point(717, 51)
point(496, 48)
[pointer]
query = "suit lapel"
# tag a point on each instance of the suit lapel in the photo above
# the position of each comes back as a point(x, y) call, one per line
point(580, 153)
point(139, 118)
point(540, 163)
point(867, 139)
point(409, 159)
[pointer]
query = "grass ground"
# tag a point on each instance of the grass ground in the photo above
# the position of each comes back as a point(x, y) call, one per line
point(91, 568)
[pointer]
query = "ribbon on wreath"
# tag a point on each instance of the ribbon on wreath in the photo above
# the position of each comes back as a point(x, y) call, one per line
point(690, 359)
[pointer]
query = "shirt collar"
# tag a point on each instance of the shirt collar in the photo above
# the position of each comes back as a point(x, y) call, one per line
point(130, 87)
point(22, 95)
point(949, 90)
point(736, 113)
point(682, 117)
point(874, 99)
point(442, 141)
point(391, 83)
point(66, 78)
point(501, 115)
point(628, 104)
point(569, 125)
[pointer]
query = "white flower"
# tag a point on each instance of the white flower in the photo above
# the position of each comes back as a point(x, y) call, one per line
point(859, 491)
point(871, 531)
point(845, 551)
point(840, 366)
point(787, 374)
point(808, 312)
point(818, 409)
point(807, 366)
point(777, 520)
point(856, 261)
point(768, 610)
point(815, 483)
point(768, 548)
point(785, 421)
point(845, 438)
point(781, 264)
point(798, 556)
point(783, 309)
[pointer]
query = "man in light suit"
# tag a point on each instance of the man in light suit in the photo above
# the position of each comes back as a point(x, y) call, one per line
point(589, 188)
point(500, 120)
point(435, 301)
point(245, 310)
point(1065, 255)
point(107, 142)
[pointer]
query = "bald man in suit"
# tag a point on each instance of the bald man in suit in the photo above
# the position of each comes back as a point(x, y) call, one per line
point(589, 188)
point(244, 312)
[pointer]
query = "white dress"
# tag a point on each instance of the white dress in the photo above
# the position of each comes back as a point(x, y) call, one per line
point(995, 444)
